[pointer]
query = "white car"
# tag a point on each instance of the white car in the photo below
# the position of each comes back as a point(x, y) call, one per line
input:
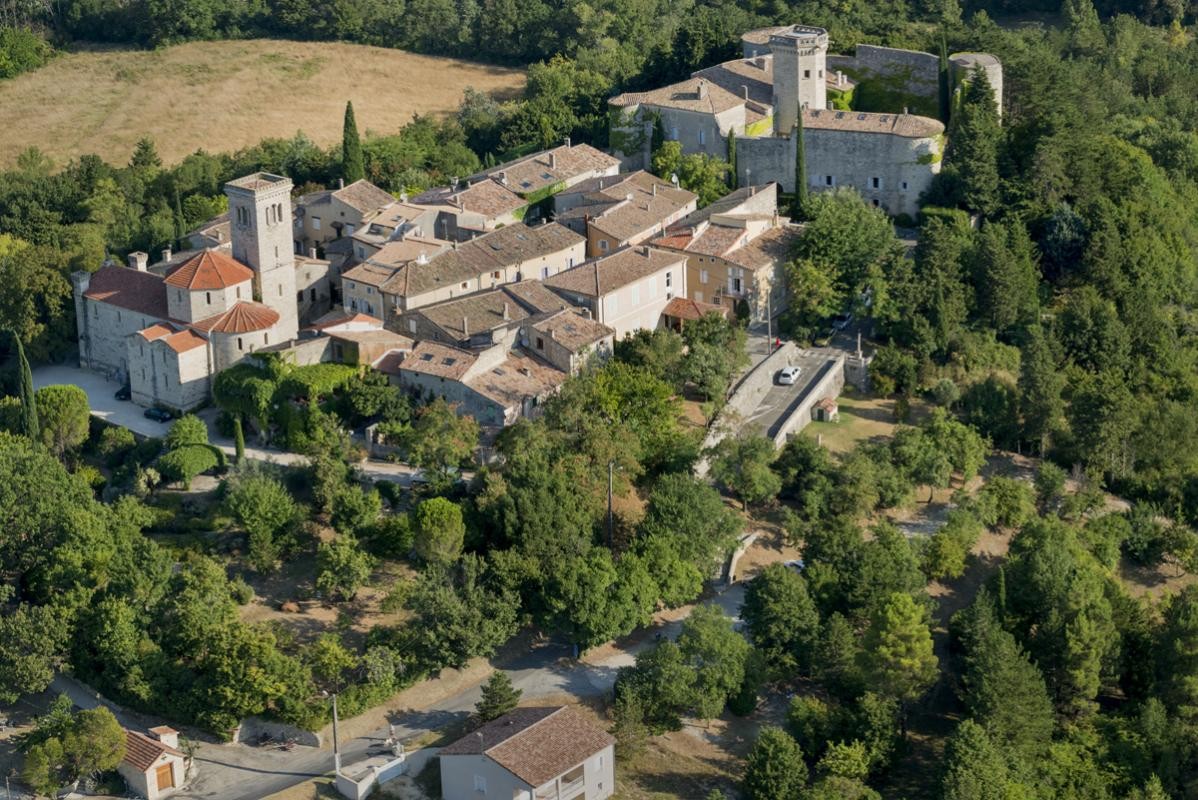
point(788, 375)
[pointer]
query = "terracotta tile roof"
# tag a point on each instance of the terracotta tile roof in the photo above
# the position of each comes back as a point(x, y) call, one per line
point(390, 362)
point(400, 251)
point(762, 35)
point(370, 273)
point(438, 360)
point(910, 126)
point(629, 208)
point(687, 309)
point(518, 377)
point(572, 330)
point(772, 247)
point(486, 197)
point(155, 331)
point(608, 273)
point(243, 317)
point(363, 196)
point(178, 339)
point(477, 313)
point(141, 752)
point(535, 297)
point(728, 204)
point(564, 164)
point(755, 74)
point(535, 744)
point(339, 316)
point(209, 269)
point(138, 291)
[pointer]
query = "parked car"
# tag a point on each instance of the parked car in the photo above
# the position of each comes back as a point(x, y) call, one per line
point(788, 375)
point(797, 564)
point(841, 321)
point(158, 414)
point(123, 393)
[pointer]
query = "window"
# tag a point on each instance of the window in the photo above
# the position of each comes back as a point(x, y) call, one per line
point(465, 285)
point(669, 279)
point(874, 202)
point(544, 273)
point(875, 183)
point(603, 245)
point(702, 276)
point(315, 223)
point(828, 181)
point(353, 304)
point(480, 784)
point(702, 136)
point(904, 186)
point(311, 294)
point(179, 295)
point(569, 262)
point(674, 133)
point(369, 290)
point(299, 297)
point(821, 73)
point(412, 326)
point(736, 285)
point(540, 343)
point(806, 73)
point(118, 316)
point(280, 290)
point(239, 345)
point(265, 338)
point(238, 292)
point(208, 297)
point(495, 275)
point(361, 252)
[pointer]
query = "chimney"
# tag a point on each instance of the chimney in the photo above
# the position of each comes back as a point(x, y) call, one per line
point(752, 191)
point(312, 251)
point(341, 183)
point(423, 257)
point(465, 325)
point(567, 141)
point(138, 261)
point(701, 89)
point(744, 88)
point(403, 197)
point(167, 735)
point(502, 178)
point(505, 312)
point(655, 188)
point(904, 109)
point(759, 62)
point(645, 250)
point(552, 160)
point(166, 254)
point(601, 183)
point(839, 78)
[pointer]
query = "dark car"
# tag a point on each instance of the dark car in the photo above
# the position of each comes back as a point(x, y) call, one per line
point(158, 414)
point(123, 393)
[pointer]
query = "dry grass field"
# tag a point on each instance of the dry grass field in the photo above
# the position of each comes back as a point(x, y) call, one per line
point(221, 96)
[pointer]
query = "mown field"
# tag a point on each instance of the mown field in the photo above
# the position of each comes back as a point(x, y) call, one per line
point(225, 95)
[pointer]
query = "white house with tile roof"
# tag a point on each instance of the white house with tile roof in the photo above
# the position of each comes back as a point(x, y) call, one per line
point(153, 765)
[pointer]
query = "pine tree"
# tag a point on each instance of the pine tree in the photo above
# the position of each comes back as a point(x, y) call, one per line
point(1040, 387)
point(731, 159)
point(775, 768)
point(945, 81)
point(29, 417)
point(974, 769)
point(971, 159)
point(353, 167)
point(239, 438)
point(499, 697)
point(1085, 29)
point(897, 653)
point(798, 209)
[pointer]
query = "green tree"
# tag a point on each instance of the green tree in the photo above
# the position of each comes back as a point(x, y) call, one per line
point(342, 567)
point(731, 150)
point(971, 159)
point(499, 696)
point(265, 510)
point(944, 82)
point(329, 660)
point(1177, 661)
point(1006, 277)
point(718, 655)
point(974, 769)
point(187, 430)
point(63, 417)
point(238, 439)
point(742, 463)
point(897, 650)
point(1040, 386)
point(775, 769)
point(439, 441)
point(845, 760)
point(29, 416)
point(440, 531)
point(33, 645)
point(798, 209)
point(354, 509)
point(781, 618)
point(353, 166)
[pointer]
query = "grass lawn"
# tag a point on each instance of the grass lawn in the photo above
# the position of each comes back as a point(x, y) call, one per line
point(224, 95)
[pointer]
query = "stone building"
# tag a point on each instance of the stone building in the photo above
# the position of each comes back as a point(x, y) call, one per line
point(167, 334)
point(786, 72)
point(736, 250)
point(328, 214)
point(621, 210)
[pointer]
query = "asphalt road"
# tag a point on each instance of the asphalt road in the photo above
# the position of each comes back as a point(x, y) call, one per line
point(779, 400)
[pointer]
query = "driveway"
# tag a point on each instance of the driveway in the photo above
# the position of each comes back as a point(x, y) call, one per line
point(101, 396)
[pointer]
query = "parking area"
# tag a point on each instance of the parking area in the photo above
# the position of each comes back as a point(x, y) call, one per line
point(101, 396)
point(778, 402)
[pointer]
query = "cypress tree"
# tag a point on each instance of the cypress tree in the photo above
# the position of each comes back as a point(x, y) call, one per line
point(238, 438)
point(29, 419)
point(180, 221)
point(800, 187)
point(353, 167)
point(945, 78)
point(658, 138)
point(731, 159)
point(498, 697)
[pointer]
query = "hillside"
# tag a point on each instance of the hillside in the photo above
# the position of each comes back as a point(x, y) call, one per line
point(225, 95)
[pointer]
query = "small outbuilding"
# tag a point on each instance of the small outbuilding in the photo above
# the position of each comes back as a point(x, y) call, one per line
point(826, 410)
point(153, 766)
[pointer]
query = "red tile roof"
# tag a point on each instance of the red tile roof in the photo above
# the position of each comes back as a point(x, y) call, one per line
point(132, 289)
point(685, 308)
point(243, 317)
point(535, 744)
point(179, 340)
point(141, 752)
point(209, 269)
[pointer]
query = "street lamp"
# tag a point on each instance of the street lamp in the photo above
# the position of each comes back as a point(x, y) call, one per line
point(336, 748)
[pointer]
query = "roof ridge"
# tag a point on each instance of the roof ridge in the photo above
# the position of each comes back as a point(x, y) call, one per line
point(526, 728)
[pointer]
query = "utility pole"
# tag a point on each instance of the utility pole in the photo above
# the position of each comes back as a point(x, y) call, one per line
point(336, 747)
point(769, 318)
point(611, 466)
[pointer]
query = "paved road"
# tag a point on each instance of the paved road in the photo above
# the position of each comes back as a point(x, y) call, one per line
point(779, 400)
point(101, 395)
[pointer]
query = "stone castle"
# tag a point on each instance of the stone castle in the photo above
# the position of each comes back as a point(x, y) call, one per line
point(786, 73)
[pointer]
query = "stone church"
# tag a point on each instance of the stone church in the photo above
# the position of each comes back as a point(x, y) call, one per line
point(167, 332)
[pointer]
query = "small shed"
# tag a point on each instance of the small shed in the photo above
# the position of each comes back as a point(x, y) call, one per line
point(826, 410)
point(153, 766)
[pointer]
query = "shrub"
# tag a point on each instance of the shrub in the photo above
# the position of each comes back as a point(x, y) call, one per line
point(241, 591)
point(354, 510)
point(183, 464)
point(342, 568)
point(22, 50)
point(187, 430)
point(116, 443)
point(1005, 502)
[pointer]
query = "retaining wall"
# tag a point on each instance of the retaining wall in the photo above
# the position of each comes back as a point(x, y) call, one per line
point(253, 727)
point(829, 384)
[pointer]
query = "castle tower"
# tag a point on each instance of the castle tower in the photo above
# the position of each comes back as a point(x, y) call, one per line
point(260, 223)
point(800, 58)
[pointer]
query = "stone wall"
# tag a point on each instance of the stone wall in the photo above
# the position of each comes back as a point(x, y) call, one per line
point(828, 384)
point(252, 728)
point(913, 71)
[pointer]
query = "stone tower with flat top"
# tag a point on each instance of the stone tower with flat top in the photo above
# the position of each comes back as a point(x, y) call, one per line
point(800, 58)
point(260, 225)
